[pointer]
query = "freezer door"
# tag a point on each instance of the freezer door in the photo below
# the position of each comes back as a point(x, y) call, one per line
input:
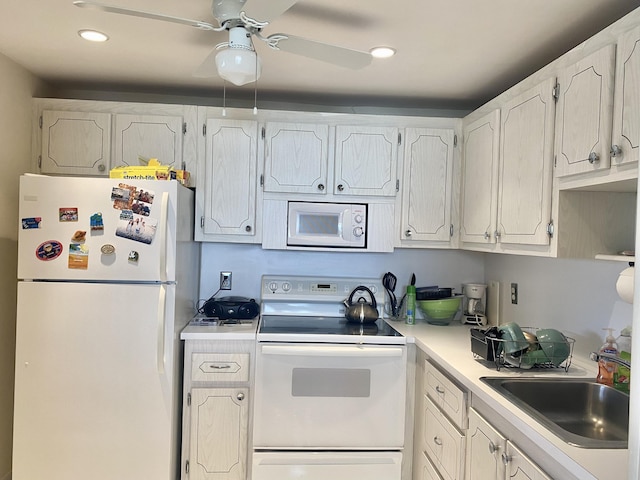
point(97, 382)
point(131, 228)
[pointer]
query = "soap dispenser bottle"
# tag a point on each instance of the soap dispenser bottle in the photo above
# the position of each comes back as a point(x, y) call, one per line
point(622, 377)
point(607, 369)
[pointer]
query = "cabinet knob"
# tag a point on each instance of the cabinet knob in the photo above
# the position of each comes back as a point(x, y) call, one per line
point(247, 228)
point(497, 234)
point(320, 186)
point(340, 187)
point(487, 235)
point(407, 233)
point(439, 390)
point(492, 447)
point(437, 441)
point(615, 151)
point(240, 396)
point(506, 459)
point(594, 157)
point(101, 168)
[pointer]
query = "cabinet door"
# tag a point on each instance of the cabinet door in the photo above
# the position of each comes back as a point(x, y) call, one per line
point(218, 443)
point(148, 136)
point(427, 181)
point(295, 158)
point(425, 470)
point(583, 125)
point(366, 160)
point(480, 179)
point(443, 443)
point(75, 143)
point(520, 467)
point(626, 99)
point(526, 159)
point(485, 446)
point(230, 177)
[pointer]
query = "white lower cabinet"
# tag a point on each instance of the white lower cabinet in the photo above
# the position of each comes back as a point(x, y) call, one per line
point(425, 469)
point(216, 412)
point(490, 456)
point(443, 442)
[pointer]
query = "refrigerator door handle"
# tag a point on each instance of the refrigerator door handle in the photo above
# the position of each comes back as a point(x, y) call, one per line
point(161, 327)
point(164, 218)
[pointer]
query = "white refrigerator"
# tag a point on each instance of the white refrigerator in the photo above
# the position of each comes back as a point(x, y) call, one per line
point(107, 277)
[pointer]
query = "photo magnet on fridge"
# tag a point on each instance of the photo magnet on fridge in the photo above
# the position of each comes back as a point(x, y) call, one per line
point(78, 256)
point(49, 250)
point(68, 214)
point(139, 228)
point(31, 222)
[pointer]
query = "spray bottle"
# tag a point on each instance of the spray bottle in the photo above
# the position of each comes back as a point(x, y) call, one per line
point(606, 369)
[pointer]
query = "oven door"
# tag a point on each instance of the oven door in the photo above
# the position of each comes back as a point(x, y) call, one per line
point(330, 396)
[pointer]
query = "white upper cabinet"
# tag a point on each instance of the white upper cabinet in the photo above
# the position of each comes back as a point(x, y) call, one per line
point(584, 114)
point(480, 179)
point(296, 157)
point(148, 136)
point(230, 172)
point(526, 160)
point(427, 184)
point(366, 160)
point(626, 100)
point(75, 143)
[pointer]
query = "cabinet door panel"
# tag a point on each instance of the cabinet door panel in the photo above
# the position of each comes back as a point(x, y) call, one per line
point(296, 158)
point(584, 114)
point(626, 106)
point(219, 422)
point(150, 136)
point(75, 143)
point(230, 177)
point(366, 160)
point(485, 446)
point(520, 467)
point(444, 444)
point(480, 179)
point(526, 159)
point(427, 181)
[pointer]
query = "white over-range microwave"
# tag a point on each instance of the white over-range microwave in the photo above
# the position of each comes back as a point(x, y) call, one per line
point(318, 224)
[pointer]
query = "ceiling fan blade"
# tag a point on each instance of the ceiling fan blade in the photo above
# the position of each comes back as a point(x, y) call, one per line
point(267, 10)
point(208, 68)
point(340, 56)
point(153, 16)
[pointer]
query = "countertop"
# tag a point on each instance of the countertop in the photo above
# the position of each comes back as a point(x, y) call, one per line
point(449, 347)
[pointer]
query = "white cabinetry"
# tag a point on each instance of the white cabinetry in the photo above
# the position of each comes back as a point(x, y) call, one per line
point(490, 456)
point(226, 198)
point(366, 160)
point(296, 157)
point(583, 123)
point(216, 410)
point(427, 185)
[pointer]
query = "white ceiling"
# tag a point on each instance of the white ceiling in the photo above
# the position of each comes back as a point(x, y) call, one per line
point(457, 53)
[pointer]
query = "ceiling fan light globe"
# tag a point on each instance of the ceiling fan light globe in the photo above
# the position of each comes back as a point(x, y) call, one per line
point(238, 66)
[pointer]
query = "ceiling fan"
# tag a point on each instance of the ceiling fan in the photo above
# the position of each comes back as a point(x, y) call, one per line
point(236, 60)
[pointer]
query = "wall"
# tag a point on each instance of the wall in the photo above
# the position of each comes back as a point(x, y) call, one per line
point(17, 86)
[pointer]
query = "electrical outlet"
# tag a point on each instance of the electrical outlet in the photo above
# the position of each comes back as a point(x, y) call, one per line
point(225, 280)
point(514, 293)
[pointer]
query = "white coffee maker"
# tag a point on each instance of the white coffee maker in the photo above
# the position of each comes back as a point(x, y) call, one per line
point(475, 304)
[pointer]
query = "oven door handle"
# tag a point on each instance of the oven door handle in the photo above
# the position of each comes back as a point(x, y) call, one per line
point(332, 351)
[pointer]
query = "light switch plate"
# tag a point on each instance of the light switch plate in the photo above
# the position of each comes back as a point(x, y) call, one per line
point(493, 302)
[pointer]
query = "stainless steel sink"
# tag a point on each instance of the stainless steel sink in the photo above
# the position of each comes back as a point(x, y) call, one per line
point(582, 413)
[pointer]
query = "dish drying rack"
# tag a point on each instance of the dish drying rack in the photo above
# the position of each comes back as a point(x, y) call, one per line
point(491, 350)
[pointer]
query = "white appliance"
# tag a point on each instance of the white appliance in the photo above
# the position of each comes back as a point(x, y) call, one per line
point(475, 303)
point(107, 279)
point(330, 396)
point(316, 224)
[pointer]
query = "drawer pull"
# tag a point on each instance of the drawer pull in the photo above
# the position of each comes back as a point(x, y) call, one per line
point(437, 441)
point(506, 459)
point(439, 390)
point(219, 367)
point(240, 396)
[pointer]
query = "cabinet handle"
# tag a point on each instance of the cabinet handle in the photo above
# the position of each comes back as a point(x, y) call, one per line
point(497, 234)
point(615, 151)
point(492, 447)
point(439, 390)
point(101, 168)
point(437, 441)
point(487, 235)
point(506, 458)
point(240, 396)
point(407, 233)
point(248, 228)
point(320, 187)
point(594, 157)
point(219, 367)
point(340, 187)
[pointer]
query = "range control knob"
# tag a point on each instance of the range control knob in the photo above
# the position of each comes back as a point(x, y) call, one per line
point(358, 231)
point(273, 286)
point(286, 286)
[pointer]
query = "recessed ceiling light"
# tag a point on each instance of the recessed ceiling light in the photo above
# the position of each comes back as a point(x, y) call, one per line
point(93, 35)
point(382, 52)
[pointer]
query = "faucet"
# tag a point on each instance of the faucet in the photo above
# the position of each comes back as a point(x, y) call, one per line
point(596, 357)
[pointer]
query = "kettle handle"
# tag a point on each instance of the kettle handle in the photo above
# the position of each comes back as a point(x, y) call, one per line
point(366, 289)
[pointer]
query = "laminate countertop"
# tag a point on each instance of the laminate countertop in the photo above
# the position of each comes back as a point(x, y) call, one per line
point(450, 348)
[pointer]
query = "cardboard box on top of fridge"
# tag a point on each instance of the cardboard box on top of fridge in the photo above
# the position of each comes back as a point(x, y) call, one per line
point(153, 170)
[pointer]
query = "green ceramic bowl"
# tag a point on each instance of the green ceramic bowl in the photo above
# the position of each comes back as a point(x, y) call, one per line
point(440, 311)
point(554, 344)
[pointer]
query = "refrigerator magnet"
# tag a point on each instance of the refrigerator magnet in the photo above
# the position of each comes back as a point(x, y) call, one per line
point(79, 236)
point(133, 256)
point(96, 223)
point(139, 229)
point(49, 250)
point(122, 196)
point(78, 256)
point(108, 249)
point(68, 214)
point(31, 222)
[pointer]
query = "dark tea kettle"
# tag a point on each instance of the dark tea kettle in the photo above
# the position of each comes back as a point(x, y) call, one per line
point(361, 311)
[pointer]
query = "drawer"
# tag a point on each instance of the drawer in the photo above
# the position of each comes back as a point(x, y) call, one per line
point(220, 367)
point(451, 399)
point(425, 470)
point(443, 442)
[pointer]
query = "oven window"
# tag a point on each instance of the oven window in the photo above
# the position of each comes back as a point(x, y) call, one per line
point(318, 224)
point(331, 382)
